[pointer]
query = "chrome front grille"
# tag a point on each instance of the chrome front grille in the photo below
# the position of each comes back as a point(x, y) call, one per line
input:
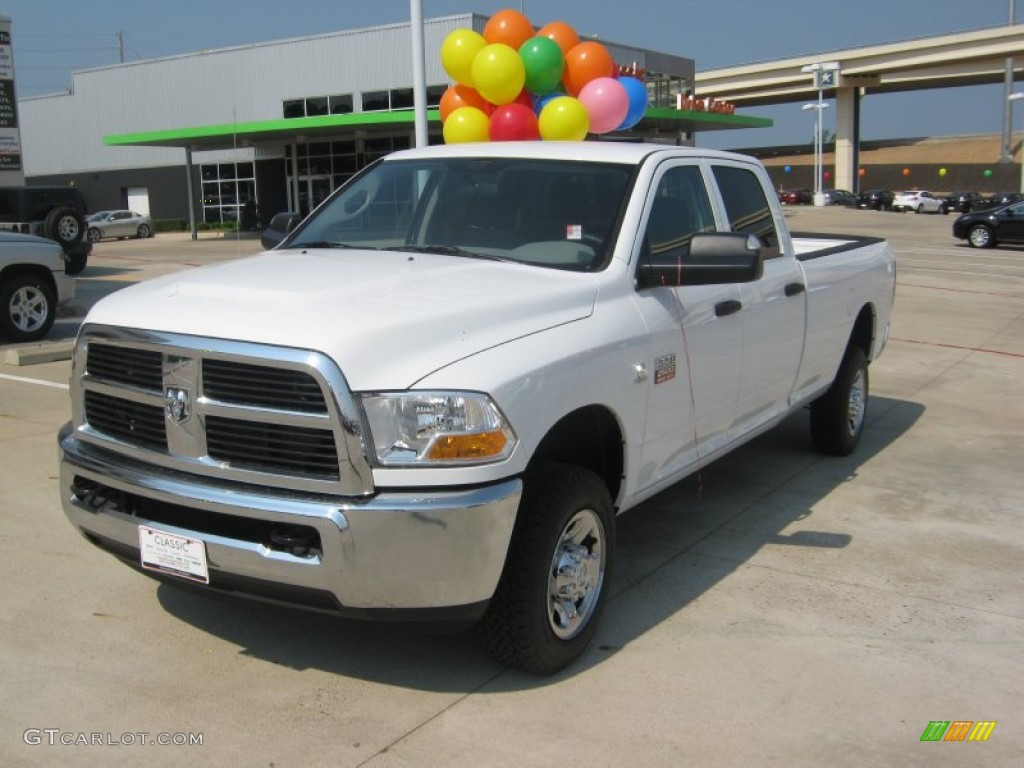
point(262, 386)
point(236, 411)
point(141, 368)
point(126, 420)
point(272, 447)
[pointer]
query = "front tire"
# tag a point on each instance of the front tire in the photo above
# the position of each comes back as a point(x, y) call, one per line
point(29, 308)
point(552, 591)
point(94, 235)
point(981, 236)
point(837, 417)
point(144, 231)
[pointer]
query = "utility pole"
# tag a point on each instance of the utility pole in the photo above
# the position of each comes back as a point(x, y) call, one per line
point(1005, 155)
point(120, 45)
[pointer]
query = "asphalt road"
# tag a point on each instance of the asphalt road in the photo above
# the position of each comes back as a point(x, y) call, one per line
point(779, 609)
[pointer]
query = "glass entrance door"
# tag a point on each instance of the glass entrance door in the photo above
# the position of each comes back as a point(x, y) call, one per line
point(313, 190)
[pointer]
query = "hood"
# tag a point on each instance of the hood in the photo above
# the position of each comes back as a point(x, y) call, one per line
point(387, 318)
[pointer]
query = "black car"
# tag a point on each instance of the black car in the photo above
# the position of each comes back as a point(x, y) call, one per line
point(840, 197)
point(963, 202)
point(987, 229)
point(876, 199)
point(999, 199)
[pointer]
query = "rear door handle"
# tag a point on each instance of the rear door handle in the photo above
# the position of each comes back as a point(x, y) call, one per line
point(794, 289)
point(729, 307)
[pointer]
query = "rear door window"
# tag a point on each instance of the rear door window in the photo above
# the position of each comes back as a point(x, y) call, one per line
point(746, 205)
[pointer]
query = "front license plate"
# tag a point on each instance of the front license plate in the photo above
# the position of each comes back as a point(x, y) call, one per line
point(177, 555)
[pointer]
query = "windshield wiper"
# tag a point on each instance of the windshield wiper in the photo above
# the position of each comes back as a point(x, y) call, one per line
point(322, 244)
point(447, 250)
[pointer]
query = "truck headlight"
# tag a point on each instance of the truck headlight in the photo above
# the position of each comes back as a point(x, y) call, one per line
point(432, 428)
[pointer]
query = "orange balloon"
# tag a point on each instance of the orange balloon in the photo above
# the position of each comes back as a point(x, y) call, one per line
point(583, 63)
point(462, 96)
point(562, 34)
point(508, 27)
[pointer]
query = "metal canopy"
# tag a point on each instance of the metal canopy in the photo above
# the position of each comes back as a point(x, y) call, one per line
point(656, 123)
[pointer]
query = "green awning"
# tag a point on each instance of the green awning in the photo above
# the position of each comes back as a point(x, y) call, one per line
point(225, 136)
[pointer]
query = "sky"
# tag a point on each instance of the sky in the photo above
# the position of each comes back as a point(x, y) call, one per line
point(52, 38)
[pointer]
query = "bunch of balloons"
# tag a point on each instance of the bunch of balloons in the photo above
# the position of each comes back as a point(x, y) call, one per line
point(515, 84)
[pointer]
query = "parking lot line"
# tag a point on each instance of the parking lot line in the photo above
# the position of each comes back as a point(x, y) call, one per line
point(40, 382)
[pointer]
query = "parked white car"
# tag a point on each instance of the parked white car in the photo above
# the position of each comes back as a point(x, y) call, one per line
point(33, 284)
point(918, 201)
point(118, 224)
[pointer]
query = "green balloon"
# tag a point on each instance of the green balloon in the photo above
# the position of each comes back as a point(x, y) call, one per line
point(988, 173)
point(544, 64)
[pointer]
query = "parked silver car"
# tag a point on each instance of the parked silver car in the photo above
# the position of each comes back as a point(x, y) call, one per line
point(118, 224)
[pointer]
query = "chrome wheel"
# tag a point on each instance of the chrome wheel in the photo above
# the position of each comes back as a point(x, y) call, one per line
point(28, 309)
point(67, 227)
point(577, 574)
point(980, 237)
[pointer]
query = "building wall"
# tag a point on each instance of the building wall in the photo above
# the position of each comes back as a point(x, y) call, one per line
point(62, 134)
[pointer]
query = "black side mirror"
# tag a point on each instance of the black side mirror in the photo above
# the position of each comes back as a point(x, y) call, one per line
point(279, 228)
point(715, 258)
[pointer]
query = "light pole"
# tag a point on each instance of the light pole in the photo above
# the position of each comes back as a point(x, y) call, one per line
point(1004, 153)
point(819, 159)
point(1009, 105)
point(825, 75)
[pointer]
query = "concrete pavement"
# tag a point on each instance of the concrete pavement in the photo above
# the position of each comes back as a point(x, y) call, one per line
point(779, 609)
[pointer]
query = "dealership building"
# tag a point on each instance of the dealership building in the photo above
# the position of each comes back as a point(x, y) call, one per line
point(281, 123)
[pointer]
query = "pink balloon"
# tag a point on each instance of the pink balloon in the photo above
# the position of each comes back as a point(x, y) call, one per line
point(606, 102)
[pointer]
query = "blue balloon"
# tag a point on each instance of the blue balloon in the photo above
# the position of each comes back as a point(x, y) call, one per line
point(637, 93)
point(788, 168)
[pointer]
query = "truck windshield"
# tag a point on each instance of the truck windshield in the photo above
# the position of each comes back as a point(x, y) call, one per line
point(552, 213)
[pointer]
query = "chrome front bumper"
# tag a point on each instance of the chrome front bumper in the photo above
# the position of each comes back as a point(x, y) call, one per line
point(406, 552)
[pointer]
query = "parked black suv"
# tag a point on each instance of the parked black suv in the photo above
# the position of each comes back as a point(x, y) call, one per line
point(54, 212)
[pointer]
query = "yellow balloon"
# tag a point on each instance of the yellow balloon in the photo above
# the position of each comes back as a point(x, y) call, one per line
point(466, 124)
point(498, 73)
point(563, 119)
point(458, 50)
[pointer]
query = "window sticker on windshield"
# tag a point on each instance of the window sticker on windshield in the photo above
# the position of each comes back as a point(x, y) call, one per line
point(573, 231)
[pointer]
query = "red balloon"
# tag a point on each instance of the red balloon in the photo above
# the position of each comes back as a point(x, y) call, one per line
point(508, 27)
point(562, 34)
point(514, 122)
point(585, 62)
point(463, 96)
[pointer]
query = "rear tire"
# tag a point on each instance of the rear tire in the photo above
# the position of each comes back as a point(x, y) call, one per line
point(837, 417)
point(552, 591)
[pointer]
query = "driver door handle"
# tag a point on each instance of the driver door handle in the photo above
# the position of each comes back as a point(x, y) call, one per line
point(729, 307)
point(794, 289)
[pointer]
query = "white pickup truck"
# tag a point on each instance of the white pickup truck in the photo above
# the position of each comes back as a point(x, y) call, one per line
point(432, 399)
